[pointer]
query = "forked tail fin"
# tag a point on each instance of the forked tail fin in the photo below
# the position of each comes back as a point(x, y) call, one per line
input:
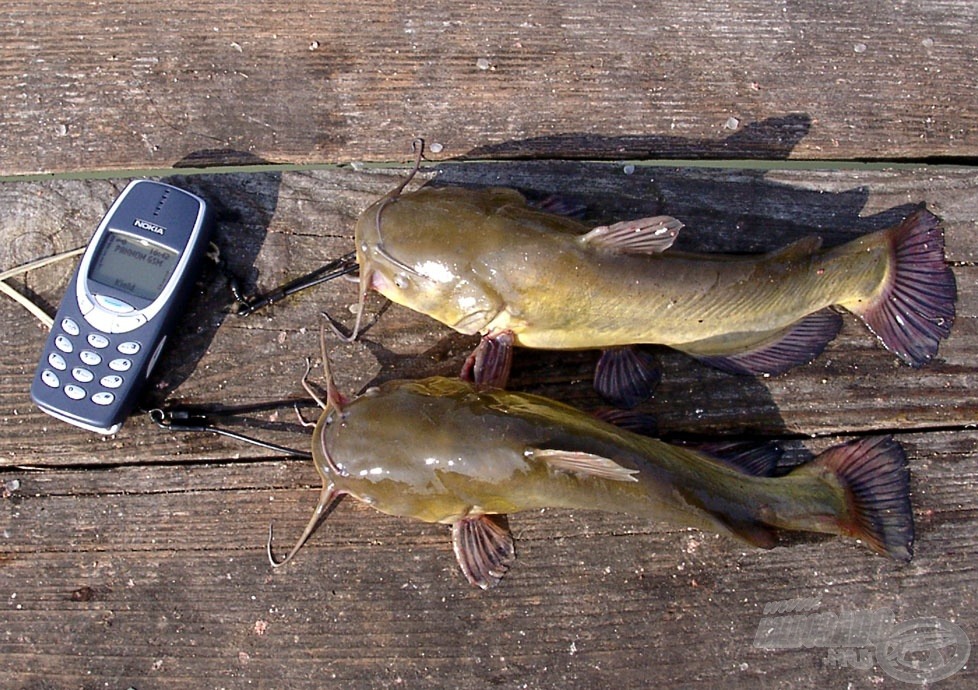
point(914, 312)
point(875, 479)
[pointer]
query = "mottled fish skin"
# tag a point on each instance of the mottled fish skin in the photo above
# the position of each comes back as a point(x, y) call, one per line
point(483, 261)
point(442, 450)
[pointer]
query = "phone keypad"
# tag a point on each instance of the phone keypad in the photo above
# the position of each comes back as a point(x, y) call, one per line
point(70, 326)
point(82, 375)
point(92, 359)
point(50, 378)
point(98, 341)
point(120, 364)
point(103, 398)
point(81, 356)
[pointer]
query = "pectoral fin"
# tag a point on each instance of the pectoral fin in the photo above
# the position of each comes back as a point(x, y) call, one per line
point(484, 548)
point(641, 236)
point(583, 464)
point(490, 362)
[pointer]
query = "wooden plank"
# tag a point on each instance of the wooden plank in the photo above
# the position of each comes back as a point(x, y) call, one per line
point(155, 577)
point(122, 85)
point(138, 559)
point(277, 226)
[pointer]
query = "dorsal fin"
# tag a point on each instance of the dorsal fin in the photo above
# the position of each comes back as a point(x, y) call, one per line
point(583, 464)
point(640, 236)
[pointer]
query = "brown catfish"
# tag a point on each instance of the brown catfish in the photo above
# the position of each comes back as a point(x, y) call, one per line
point(443, 450)
point(484, 261)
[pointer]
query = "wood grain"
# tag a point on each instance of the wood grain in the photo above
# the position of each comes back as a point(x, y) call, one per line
point(156, 577)
point(138, 560)
point(275, 227)
point(118, 85)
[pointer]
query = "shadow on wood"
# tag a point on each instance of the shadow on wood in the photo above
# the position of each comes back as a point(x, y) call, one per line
point(244, 205)
point(771, 139)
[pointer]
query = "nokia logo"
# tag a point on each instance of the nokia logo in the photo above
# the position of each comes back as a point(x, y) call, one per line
point(151, 227)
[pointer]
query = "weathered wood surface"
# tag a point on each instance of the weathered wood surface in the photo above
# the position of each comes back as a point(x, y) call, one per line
point(122, 85)
point(138, 560)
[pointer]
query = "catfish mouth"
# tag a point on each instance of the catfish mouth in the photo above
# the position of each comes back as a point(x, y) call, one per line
point(473, 322)
point(329, 469)
point(376, 281)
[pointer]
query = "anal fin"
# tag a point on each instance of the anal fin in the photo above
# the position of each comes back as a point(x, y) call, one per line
point(776, 353)
point(484, 548)
point(755, 459)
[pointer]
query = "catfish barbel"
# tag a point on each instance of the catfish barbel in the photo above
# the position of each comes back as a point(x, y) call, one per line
point(445, 451)
point(484, 261)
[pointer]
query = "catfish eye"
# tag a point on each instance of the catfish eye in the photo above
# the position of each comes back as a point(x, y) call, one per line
point(401, 281)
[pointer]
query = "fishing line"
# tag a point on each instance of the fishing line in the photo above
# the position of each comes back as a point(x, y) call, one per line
point(25, 302)
point(198, 420)
point(336, 268)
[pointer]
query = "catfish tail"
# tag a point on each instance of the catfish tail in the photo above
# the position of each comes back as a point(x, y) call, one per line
point(915, 309)
point(875, 481)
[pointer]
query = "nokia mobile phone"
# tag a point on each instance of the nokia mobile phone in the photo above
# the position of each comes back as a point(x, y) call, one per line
point(131, 283)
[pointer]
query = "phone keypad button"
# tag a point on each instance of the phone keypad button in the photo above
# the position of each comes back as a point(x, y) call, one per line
point(63, 343)
point(124, 324)
point(92, 359)
point(114, 304)
point(70, 327)
point(111, 381)
point(85, 305)
point(103, 398)
point(128, 348)
point(50, 378)
point(57, 361)
point(74, 392)
point(82, 375)
point(120, 364)
point(98, 340)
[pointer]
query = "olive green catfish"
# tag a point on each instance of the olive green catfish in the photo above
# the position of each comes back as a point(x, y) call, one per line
point(443, 450)
point(484, 261)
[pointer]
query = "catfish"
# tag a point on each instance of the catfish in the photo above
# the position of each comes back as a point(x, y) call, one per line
point(445, 450)
point(484, 261)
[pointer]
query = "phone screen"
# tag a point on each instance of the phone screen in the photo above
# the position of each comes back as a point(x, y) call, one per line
point(133, 265)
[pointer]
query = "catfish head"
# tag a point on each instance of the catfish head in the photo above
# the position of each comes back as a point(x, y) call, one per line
point(411, 249)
